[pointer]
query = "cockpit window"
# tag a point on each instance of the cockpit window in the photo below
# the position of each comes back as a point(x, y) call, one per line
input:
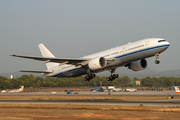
point(162, 41)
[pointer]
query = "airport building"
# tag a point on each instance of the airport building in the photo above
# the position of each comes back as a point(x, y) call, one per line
point(138, 82)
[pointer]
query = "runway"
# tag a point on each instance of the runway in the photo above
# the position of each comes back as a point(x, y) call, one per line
point(138, 93)
point(164, 103)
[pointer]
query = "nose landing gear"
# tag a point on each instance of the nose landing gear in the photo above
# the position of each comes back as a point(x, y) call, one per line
point(157, 58)
point(157, 61)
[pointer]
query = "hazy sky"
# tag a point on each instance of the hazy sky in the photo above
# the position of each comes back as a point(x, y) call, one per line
point(75, 28)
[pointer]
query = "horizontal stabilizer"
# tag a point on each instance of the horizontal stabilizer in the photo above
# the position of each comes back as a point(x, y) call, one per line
point(35, 71)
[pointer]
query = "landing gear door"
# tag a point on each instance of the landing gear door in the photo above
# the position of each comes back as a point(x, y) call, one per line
point(147, 44)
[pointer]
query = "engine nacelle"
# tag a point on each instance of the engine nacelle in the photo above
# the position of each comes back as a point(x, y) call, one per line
point(97, 63)
point(138, 65)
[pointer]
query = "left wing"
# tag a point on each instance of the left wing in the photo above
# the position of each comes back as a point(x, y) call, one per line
point(73, 61)
point(36, 71)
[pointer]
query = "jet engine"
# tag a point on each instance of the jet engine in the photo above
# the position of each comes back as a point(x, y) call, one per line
point(138, 65)
point(97, 63)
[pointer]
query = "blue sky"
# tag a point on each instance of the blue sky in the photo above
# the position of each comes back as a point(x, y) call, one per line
point(75, 28)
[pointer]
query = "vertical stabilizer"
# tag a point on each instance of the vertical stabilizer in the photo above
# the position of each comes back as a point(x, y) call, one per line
point(177, 90)
point(46, 53)
point(22, 88)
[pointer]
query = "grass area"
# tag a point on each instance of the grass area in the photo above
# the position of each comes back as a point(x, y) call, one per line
point(79, 97)
point(86, 112)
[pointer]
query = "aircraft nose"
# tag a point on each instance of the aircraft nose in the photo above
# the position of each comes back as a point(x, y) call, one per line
point(168, 43)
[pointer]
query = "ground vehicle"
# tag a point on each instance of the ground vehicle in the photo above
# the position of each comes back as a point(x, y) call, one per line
point(100, 89)
point(53, 92)
point(70, 92)
point(113, 89)
point(117, 90)
point(130, 90)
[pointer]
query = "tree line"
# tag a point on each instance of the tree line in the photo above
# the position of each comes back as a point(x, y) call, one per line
point(36, 82)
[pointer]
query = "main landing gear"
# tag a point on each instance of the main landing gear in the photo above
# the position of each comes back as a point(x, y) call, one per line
point(157, 58)
point(113, 76)
point(89, 77)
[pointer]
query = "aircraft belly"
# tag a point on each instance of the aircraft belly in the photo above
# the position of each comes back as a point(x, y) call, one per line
point(72, 73)
point(76, 73)
point(115, 63)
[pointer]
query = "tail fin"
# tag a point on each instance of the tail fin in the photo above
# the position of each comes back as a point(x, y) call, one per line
point(177, 89)
point(46, 53)
point(22, 88)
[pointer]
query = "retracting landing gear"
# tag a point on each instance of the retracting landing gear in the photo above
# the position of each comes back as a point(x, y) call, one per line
point(113, 76)
point(157, 58)
point(89, 77)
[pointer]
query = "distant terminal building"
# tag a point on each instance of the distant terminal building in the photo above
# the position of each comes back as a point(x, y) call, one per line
point(11, 76)
point(138, 82)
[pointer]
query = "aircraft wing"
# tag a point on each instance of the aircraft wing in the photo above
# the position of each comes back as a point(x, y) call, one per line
point(35, 71)
point(73, 61)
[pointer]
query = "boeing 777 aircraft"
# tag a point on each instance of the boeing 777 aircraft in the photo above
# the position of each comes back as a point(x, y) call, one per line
point(131, 55)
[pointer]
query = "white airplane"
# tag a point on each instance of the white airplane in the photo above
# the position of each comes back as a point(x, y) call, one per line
point(177, 89)
point(4, 91)
point(131, 55)
point(13, 90)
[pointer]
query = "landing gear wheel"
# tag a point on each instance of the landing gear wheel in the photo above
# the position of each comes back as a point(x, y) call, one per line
point(113, 76)
point(89, 77)
point(117, 75)
point(110, 78)
point(94, 75)
point(157, 61)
